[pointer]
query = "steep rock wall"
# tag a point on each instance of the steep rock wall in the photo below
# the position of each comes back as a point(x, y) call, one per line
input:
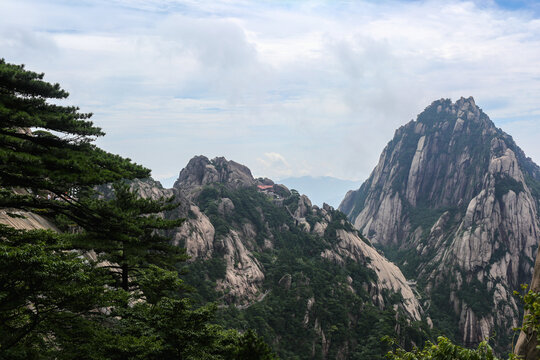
point(453, 199)
point(244, 274)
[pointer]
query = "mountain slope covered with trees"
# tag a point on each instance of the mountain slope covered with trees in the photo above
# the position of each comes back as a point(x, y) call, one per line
point(298, 274)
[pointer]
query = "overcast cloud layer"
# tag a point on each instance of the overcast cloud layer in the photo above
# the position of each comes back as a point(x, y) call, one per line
point(286, 88)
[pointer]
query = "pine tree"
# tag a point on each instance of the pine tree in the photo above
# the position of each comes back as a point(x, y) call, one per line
point(47, 161)
point(126, 234)
point(57, 303)
point(44, 292)
point(47, 149)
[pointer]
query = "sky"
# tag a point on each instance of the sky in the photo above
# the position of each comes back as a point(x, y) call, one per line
point(287, 88)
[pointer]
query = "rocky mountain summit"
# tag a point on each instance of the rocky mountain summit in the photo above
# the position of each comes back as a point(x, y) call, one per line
point(454, 201)
point(278, 263)
point(239, 243)
point(201, 171)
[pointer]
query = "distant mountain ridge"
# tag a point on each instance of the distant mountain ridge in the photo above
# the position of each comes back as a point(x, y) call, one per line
point(454, 201)
point(321, 189)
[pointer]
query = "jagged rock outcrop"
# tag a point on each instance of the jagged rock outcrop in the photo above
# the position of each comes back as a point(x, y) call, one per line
point(201, 171)
point(389, 275)
point(291, 269)
point(243, 274)
point(196, 235)
point(456, 200)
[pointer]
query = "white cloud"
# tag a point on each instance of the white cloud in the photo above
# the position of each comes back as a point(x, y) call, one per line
point(321, 84)
point(275, 164)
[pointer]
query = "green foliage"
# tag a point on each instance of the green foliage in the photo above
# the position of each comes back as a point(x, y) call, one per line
point(534, 185)
point(444, 349)
point(292, 201)
point(477, 296)
point(431, 116)
point(124, 234)
point(446, 322)
point(251, 206)
point(504, 184)
point(408, 260)
point(171, 329)
point(43, 291)
point(46, 289)
point(59, 156)
point(531, 320)
point(202, 275)
point(339, 222)
point(284, 320)
point(425, 217)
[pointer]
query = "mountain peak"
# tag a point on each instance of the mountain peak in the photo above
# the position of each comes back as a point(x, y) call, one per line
point(444, 110)
point(461, 103)
point(454, 195)
point(201, 171)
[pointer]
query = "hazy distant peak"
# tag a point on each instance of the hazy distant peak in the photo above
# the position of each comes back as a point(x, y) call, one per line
point(321, 189)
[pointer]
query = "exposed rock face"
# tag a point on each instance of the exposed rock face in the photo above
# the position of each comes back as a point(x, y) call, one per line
point(455, 196)
point(244, 275)
point(201, 171)
point(389, 275)
point(196, 234)
point(28, 221)
point(256, 244)
point(150, 189)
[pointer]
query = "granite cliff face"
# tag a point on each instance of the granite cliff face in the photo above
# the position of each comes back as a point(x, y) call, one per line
point(454, 201)
point(25, 220)
point(201, 171)
point(244, 274)
point(258, 245)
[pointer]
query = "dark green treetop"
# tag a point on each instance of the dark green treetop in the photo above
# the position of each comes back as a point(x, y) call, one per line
point(46, 147)
point(125, 234)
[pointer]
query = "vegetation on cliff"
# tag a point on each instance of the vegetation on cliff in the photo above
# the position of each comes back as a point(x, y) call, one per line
point(309, 306)
point(444, 349)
